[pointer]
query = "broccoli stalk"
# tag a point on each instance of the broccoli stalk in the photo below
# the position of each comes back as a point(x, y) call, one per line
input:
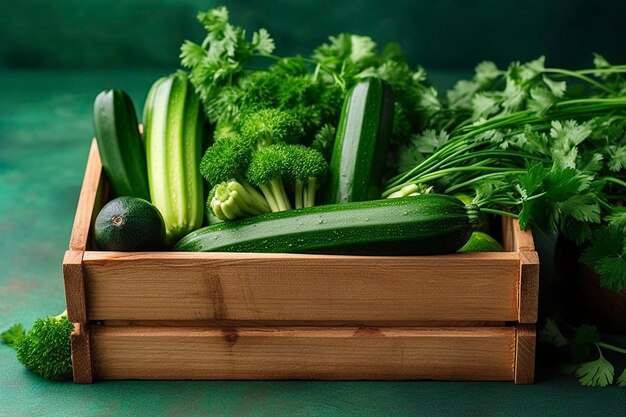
point(410, 191)
point(226, 161)
point(230, 200)
point(307, 169)
point(45, 349)
point(270, 126)
point(266, 171)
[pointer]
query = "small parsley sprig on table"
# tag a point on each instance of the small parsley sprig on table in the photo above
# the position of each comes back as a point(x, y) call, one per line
point(584, 344)
point(545, 145)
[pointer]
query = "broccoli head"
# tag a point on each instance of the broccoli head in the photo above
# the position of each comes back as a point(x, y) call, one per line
point(227, 158)
point(45, 349)
point(307, 170)
point(266, 171)
point(269, 126)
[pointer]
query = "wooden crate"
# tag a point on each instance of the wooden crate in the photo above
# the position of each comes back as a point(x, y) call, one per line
point(167, 315)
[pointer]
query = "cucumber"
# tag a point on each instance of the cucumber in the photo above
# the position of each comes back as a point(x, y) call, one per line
point(119, 144)
point(173, 134)
point(421, 225)
point(360, 151)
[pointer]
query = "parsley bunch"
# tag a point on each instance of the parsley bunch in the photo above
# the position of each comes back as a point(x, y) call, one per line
point(548, 145)
point(230, 72)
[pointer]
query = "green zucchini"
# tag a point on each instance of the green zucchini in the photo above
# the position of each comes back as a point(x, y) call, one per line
point(421, 225)
point(173, 134)
point(119, 144)
point(360, 151)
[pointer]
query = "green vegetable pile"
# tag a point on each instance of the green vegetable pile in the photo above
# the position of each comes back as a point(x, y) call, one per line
point(301, 153)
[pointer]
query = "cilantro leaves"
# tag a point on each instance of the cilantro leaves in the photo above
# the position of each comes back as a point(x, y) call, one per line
point(582, 346)
point(607, 253)
point(547, 144)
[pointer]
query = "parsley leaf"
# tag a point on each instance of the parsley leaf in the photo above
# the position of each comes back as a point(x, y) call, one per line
point(617, 157)
point(607, 256)
point(598, 373)
point(262, 43)
point(324, 140)
point(586, 333)
point(551, 334)
point(12, 336)
point(419, 147)
point(621, 381)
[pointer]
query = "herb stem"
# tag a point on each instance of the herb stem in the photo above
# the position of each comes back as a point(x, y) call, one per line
point(611, 347)
point(606, 205)
point(615, 69)
point(582, 77)
point(499, 212)
point(482, 177)
point(537, 196)
point(614, 180)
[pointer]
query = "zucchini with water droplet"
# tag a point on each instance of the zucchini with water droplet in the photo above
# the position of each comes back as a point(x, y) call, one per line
point(422, 225)
point(360, 151)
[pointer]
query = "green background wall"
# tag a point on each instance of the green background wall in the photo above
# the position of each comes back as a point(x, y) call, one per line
point(439, 34)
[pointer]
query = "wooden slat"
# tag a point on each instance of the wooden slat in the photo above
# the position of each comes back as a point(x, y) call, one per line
point(303, 353)
point(529, 287)
point(74, 281)
point(87, 200)
point(515, 239)
point(525, 354)
point(81, 354)
point(280, 287)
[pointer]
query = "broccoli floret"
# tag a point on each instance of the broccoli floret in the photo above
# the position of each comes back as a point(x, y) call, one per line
point(229, 200)
point(307, 170)
point(269, 126)
point(266, 171)
point(227, 160)
point(45, 349)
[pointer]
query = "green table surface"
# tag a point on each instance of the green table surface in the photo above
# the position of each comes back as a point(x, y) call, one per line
point(45, 133)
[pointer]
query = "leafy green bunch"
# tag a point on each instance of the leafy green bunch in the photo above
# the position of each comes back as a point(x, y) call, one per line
point(581, 346)
point(550, 148)
point(231, 75)
point(531, 86)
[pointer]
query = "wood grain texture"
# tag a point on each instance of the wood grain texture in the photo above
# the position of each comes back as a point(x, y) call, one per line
point(280, 287)
point(74, 282)
point(87, 201)
point(515, 239)
point(529, 287)
point(81, 354)
point(525, 345)
point(303, 353)
point(255, 323)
